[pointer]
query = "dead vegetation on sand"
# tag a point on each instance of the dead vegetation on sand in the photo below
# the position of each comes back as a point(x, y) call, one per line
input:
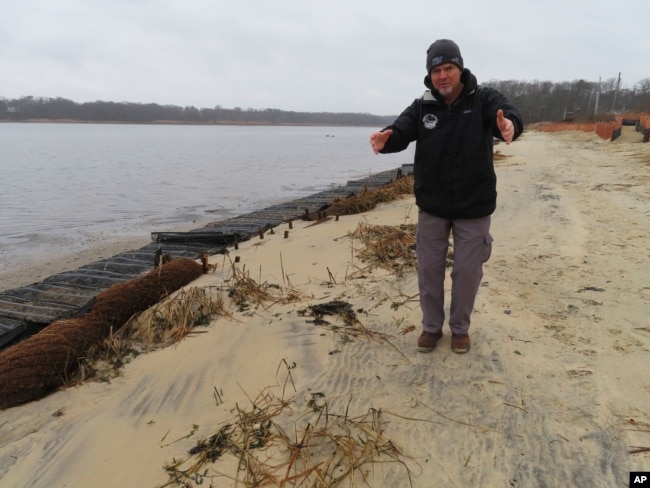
point(369, 199)
point(280, 442)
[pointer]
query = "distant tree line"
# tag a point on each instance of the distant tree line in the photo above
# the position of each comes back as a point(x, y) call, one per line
point(39, 108)
point(537, 100)
point(584, 100)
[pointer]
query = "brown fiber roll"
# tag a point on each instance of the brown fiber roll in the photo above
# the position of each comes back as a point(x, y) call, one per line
point(43, 362)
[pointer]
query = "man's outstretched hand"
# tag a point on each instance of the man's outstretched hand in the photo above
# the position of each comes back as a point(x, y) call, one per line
point(378, 140)
point(506, 127)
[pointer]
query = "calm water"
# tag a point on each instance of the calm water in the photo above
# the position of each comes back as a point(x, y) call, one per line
point(70, 184)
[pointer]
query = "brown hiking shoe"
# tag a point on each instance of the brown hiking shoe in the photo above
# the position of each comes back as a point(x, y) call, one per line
point(427, 341)
point(460, 343)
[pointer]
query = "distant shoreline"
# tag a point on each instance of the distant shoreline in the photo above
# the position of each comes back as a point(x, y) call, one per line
point(175, 122)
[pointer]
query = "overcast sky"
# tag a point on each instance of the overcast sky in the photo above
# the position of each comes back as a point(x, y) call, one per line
point(303, 55)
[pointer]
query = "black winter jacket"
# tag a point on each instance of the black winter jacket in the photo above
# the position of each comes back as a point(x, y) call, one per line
point(453, 167)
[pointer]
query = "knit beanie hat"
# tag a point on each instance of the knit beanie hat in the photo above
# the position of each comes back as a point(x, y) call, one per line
point(443, 51)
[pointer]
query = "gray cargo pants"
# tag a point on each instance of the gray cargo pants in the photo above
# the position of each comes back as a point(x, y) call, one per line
point(472, 244)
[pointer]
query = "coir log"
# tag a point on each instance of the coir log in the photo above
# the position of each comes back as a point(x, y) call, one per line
point(33, 368)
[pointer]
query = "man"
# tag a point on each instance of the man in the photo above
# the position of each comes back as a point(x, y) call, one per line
point(453, 124)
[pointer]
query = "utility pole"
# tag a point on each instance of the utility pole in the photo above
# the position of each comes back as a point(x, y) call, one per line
point(618, 84)
point(597, 97)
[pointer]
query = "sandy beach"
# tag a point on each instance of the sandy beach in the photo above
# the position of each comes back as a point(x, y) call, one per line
point(555, 390)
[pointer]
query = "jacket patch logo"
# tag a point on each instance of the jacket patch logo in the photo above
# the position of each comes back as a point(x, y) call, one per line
point(430, 121)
